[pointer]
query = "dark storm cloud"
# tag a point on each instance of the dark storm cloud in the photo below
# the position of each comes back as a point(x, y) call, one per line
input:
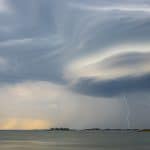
point(115, 87)
point(42, 37)
point(48, 45)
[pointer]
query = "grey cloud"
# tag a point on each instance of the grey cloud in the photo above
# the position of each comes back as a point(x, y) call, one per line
point(40, 38)
point(114, 87)
point(132, 59)
point(67, 34)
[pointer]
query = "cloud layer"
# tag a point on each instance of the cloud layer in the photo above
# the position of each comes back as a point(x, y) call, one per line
point(70, 62)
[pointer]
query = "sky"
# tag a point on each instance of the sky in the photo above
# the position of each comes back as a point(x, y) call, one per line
point(74, 63)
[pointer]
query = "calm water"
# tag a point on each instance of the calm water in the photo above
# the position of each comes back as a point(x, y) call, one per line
point(73, 140)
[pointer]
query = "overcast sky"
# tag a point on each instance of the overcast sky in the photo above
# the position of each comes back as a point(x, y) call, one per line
point(74, 63)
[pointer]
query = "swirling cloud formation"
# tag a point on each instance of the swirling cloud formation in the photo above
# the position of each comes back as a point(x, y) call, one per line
point(70, 63)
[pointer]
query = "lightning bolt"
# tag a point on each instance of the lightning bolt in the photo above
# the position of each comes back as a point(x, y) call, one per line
point(128, 112)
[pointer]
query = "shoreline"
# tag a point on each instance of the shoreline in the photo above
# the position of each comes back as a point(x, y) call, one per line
point(67, 130)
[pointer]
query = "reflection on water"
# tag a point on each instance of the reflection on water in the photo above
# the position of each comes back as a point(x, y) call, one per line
point(73, 140)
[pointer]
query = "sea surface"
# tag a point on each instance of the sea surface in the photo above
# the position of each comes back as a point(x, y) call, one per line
point(74, 140)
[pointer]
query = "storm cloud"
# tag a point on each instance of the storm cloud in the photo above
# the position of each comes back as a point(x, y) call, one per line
point(70, 62)
point(115, 87)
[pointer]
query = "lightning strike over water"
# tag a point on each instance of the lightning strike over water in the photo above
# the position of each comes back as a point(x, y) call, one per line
point(128, 112)
point(74, 64)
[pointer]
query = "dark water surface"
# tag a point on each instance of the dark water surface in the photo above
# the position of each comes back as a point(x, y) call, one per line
point(74, 140)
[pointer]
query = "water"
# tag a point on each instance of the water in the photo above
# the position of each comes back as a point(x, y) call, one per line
point(74, 140)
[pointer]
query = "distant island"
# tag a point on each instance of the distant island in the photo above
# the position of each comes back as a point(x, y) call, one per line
point(59, 129)
point(97, 129)
point(88, 129)
point(145, 130)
